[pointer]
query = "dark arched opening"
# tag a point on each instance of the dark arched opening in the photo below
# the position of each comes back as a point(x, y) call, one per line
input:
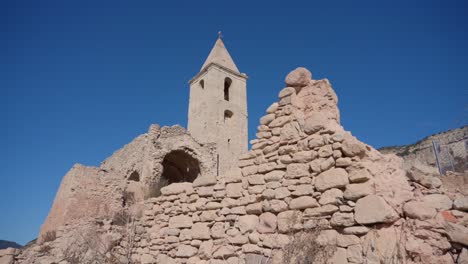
point(202, 84)
point(178, 166)
point(134, 176)
point(227, 85)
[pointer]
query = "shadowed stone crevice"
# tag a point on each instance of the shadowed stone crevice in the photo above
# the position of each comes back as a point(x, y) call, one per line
point(135, 176)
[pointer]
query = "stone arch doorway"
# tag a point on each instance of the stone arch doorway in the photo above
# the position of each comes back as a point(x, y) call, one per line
point(178, 166)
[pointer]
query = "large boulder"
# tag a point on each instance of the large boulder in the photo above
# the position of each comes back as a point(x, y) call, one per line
point(373, 209)
point(333, 178)
point(419, 210)
point(299, 77)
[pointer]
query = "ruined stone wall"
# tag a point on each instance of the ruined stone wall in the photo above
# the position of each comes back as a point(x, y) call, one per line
point(90, 192)
point(304, 172)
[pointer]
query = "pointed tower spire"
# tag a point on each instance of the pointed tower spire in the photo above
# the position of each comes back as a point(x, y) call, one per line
point(220, 56)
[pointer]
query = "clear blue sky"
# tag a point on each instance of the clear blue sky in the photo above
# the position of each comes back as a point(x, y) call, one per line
point(79, 79)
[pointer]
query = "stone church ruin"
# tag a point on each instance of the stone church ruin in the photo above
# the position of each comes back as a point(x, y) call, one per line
point(307, 191)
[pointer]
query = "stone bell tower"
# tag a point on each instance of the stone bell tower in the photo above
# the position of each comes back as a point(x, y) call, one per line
point(218, 107)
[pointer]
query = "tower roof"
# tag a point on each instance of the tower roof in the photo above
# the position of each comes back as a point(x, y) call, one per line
point(220, 56)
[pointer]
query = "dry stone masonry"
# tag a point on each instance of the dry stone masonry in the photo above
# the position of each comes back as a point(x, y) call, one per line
point(304, 173)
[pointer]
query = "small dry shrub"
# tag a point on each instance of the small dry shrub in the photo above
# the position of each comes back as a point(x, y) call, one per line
point(128, 198)
point(45, 249)
point(121, 218)
point(304, 248)
point(49, 236)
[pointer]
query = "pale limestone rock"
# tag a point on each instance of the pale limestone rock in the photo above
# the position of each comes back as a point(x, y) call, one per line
point(300, 77)
point(267, 223)
point(180, 221)
point(246, 171)
point(186, 251)
point(358, 190)
point(213, 205)
point(200, 231)
point(373, 209)
point(352, 147)
point(234, 190)
point(254, 238)
point(325, 151)
point(238, 240)
point(205, 180)
point(275, 175)
point(382, 245)
point(303, 202)
point(290, 131)
point(342, 219)
point(208, 215)
point(282, 193)
point(286, 92)
point(218, 230)
point(256, 179)
point(145, 259)
point(251, 248)
point(463, 257)
point(356, 230)
point(359, 175)
point(303, 189)
point(277, 206)
point(266, 167)
point(176, 188)
point(419, 210)
point(343, 162)
point(314, 123)
point(205, 191)
point(320, 211)
point(269, 194)
point(304, 156)
point(224, 252)
point(438, 201)
point(333, 178)
point(461, 203)
point(297, 170)
point(339, 257)
point(354, 254)
point(266, 119)
point(272, 108)
point(327, 164)
point(315, 141)
point(289, 220)
point(239, 210)
point(457, 233)
point(331, 196)
point(247, 223)
point(255, 208)
point(327, 237)
point(347, 240)
point(279, 121)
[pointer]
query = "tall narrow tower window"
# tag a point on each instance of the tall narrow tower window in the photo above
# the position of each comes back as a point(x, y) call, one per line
point(227, 85)
point(202, 84)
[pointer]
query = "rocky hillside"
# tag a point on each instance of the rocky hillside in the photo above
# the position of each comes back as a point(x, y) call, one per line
point(451, 146)
point(6, 244)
